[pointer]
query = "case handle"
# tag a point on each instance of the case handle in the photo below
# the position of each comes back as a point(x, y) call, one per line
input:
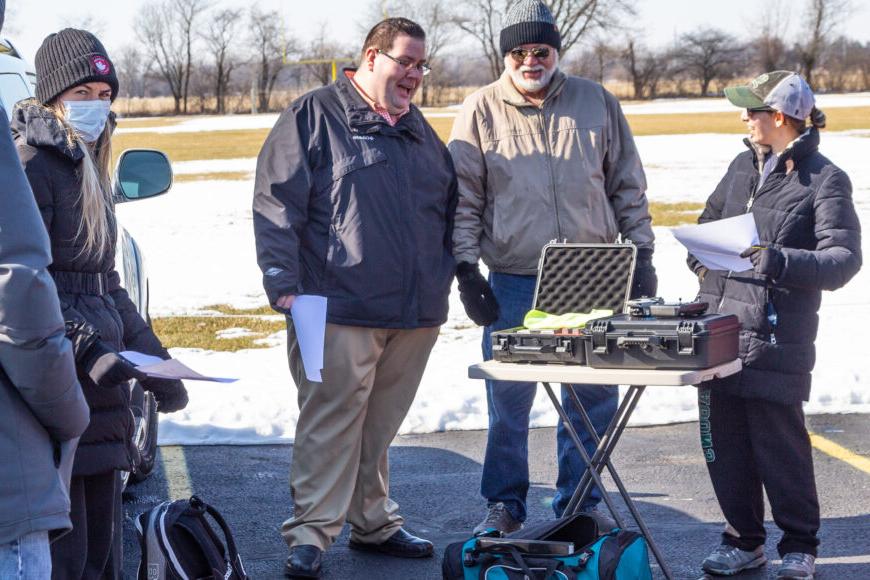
point(645, 342)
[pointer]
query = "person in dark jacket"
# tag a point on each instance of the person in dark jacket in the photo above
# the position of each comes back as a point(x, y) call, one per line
point(42, 408)
point(353, 200)
point(63, 139)
point(752, 423)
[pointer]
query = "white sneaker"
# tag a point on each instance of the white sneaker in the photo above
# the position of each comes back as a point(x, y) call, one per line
point(796, 565)
point(727, 560)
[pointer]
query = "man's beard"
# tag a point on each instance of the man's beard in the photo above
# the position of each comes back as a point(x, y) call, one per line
point(533, 85)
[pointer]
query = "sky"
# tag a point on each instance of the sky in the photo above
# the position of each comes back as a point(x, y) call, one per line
point(29, 21)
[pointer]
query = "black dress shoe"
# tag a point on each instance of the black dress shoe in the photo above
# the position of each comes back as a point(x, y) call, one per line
point(304, 562)
point(401, 545)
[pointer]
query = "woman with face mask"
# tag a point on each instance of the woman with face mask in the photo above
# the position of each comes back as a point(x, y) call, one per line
point(63, 138)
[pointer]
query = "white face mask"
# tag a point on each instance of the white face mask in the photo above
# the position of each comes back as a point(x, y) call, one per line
point(87, 117)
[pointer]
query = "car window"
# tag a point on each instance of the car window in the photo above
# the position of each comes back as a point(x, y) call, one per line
point(13, 88)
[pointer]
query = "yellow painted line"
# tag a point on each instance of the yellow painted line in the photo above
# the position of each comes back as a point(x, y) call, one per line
point(839, 452)
point(175, 469)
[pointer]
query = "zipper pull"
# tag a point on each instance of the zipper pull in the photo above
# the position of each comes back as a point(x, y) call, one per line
point(750, 202)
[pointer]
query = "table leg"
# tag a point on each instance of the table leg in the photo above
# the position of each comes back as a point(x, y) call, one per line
point(590, 467)
point(601, 458)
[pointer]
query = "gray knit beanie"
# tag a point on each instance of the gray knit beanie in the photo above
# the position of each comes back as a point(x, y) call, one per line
point(529, 22)
point(70, 58)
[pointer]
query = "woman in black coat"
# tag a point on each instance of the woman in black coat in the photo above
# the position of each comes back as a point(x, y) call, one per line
point(752, 424)
point(63, 138)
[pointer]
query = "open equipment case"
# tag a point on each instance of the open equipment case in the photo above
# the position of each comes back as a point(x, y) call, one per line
point(571, 278)
point(645, 333)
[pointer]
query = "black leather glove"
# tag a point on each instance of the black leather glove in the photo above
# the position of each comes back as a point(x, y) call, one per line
point(107, 368)
point(476, 295)
point(646, 282)
point(766, 259)
point(170, 394)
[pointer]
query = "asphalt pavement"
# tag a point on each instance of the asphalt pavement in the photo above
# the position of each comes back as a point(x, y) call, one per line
point(435, 480)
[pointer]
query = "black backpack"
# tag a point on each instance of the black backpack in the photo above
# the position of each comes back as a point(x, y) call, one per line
point(179, 544)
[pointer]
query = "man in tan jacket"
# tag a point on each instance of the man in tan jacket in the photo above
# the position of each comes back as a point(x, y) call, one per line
point(540, 156)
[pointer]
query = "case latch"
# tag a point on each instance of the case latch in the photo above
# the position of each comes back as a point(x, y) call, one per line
point(686, 337)
point(599, 336)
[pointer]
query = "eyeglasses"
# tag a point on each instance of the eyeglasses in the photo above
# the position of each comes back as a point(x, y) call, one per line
point(760, 110)
point(408, 65)
point(520, 54)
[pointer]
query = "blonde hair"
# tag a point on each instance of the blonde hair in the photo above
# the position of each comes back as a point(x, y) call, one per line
point(98, 208)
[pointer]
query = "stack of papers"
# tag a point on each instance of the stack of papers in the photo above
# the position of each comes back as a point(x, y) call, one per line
point(718, 245)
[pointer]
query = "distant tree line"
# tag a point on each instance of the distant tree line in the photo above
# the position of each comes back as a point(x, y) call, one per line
point(209, 58)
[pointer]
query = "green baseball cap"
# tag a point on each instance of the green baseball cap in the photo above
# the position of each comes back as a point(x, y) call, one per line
point(781, 90)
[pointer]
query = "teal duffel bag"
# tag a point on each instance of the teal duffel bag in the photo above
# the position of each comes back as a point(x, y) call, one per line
point(618, 555)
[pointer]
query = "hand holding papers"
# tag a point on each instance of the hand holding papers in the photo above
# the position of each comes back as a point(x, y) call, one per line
point(156, 367)
point(309, 322)
point(718, 245)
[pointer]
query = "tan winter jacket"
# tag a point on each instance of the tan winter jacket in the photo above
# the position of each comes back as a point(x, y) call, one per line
point(568, 170)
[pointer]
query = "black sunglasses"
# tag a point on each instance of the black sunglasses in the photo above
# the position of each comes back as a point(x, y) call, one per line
point(760, 110)
point(520, 54)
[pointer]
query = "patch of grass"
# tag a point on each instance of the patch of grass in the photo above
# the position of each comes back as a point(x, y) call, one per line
point(442, 126)
point(233, 311)
point(675, 214)
point(198, 145)
point(148, 123)
point(201, 331)
point(213, 176)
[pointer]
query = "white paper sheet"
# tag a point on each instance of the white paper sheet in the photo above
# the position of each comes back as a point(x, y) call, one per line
point(156, 367)
point(718, 244)
point(309, 321)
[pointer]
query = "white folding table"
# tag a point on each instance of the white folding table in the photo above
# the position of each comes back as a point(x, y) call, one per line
point(637, 380)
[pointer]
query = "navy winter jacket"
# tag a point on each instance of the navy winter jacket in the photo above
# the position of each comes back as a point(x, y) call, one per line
point(804, 208)
point(348, 207)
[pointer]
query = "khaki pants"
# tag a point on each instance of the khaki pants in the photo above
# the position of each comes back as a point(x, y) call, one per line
point(346, 424)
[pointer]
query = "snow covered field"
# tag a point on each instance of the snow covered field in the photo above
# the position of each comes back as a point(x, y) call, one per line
point(200, 251)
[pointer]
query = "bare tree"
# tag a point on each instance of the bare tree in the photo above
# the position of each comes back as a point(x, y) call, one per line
point(770, 48)
point(823, 18)
point(575, 19)
point(644, 68)
point(322, 54)
point(157, 32)
point(271, 47)
point(185, 14)
point(133, 69)
point(709, 54)
point(219, 37)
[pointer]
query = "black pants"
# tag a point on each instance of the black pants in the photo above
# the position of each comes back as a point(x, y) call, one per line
point(89, 551)
point(750, 444)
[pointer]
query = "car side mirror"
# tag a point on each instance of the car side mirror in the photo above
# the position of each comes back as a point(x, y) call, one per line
point(140, 174)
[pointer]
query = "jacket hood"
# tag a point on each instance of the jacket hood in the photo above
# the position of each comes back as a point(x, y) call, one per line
point(38, 126)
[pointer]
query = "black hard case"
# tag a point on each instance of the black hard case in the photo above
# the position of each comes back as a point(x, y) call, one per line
point(571, 278)
point(624, 341)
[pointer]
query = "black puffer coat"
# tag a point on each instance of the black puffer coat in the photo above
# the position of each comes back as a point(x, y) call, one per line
point(805, 209)
point(88, 287)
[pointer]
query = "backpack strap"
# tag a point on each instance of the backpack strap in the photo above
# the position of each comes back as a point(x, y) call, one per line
point(235, 560)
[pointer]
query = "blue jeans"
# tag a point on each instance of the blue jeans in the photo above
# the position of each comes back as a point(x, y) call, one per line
point(506, 465)
point(27, 558)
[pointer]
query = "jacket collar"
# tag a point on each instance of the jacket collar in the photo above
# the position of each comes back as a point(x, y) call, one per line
point(363, 119)
point(38, 126)
point(806, 144)
point(512, 96)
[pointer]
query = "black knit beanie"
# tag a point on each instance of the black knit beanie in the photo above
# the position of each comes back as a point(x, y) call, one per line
point(529, 22)
point(70, 58)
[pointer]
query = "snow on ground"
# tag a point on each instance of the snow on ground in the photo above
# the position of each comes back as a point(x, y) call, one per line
point(200, 251)
point(721, 105)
